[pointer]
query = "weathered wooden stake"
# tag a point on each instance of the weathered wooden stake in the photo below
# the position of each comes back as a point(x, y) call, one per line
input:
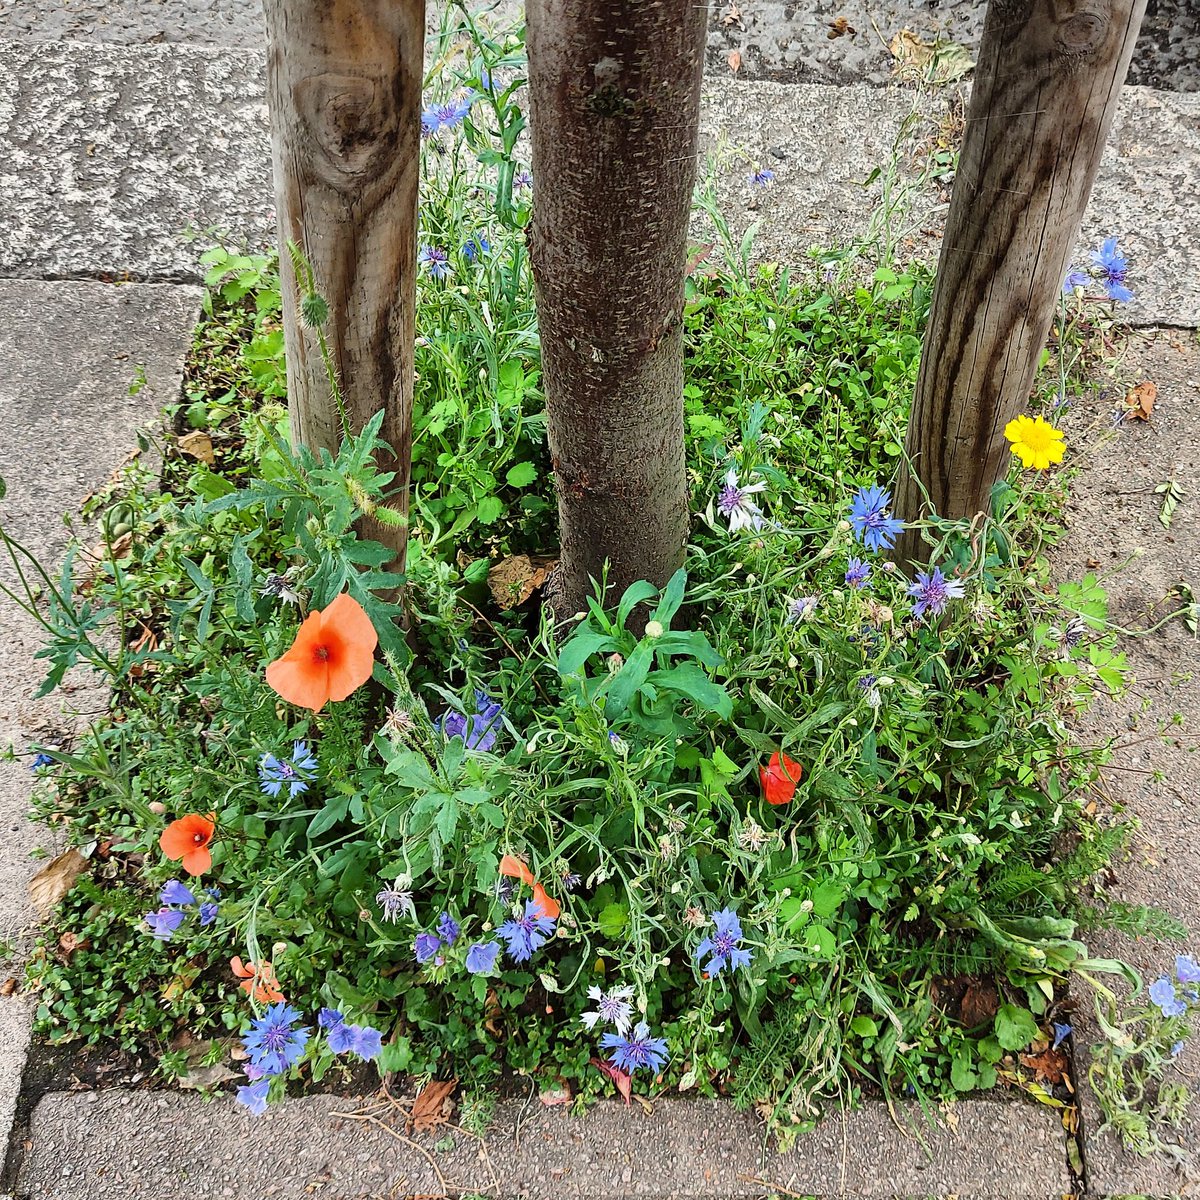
point(1046, 87)
point(614, 100)
point(344, 86)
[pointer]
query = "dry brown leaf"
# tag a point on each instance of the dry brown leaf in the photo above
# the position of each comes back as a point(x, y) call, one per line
point(733, 16)
point(55, 880)
point(839, 27)
point(560, 1093)
point(433, 1106)
point(622, 1079)
point(734, 59)
point(70, 942)
point(1140, 401)
point(8, 986)
point(206, 1077)
point(492, 1015)
point(979, 1003)
point(1049, 1066)
point(935, 62)
point(198, 445)
point(513, 580)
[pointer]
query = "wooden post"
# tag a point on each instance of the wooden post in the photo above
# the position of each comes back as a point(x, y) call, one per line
point(1046, 87)
point(344, 87)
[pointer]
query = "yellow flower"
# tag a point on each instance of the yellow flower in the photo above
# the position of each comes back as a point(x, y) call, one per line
point(1035, 441)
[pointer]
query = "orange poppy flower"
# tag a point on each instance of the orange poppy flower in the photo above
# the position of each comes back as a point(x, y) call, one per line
point(188, 839)
point(258, 980)
point(779, 778)
point(543, 904)
point(333, 654)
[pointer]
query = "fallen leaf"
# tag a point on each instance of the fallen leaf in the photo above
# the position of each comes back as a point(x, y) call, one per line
point(980, 1003)
point(8, 986)
point(513, 580)
point(839, 27)
point(492, 1014)
point(622, 1079)
point(70, 942)
point(734, 60)
point(198, 445)
point(1140, 401)
point(733, 16)
point(1047, 1065)
point(55, 880)
point(560, 1093)
point(934, 62)
point(433, 1106)
point(206, 1077)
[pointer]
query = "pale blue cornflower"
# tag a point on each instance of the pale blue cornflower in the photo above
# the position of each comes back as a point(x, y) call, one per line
point(1075, 279)
point(932, 591)
point(522, 180)
point(526, 933)
point(1162, 994)
point(294, 773)
point(476, 247)
point(436, 261)
point(802, 608)
point(761, 177)
point(612, 1008)
point(1112, 267)
point(734, 503)
point(857, 573)
point(637, 1052)
point(396, 901)
point(870, 519)
point(723, 944)
point(1061, 1033)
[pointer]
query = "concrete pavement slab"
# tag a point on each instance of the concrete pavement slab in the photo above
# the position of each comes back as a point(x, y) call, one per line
point(71, 351)
point(108, 154)
point(97, 1146)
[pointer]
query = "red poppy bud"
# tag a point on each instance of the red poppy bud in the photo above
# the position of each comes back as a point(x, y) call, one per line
point(779, 778)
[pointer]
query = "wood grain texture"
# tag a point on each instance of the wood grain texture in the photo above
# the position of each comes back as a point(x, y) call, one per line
point(615, 101)
point(1045, 91)
point(344, 88)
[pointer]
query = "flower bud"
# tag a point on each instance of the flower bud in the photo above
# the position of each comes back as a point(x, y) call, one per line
point(156, 807)
point(654, 629)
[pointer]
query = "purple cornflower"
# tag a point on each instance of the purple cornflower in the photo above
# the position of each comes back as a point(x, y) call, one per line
point(208, 912)
point(524, 934)
point(857, 573)
point(436, 260)
point(273, 1043)
point(175, 892)
point(430, 123)
point(164, 922)
point(1113, 268)
point(447, 928)
point(477, 730)
point(612, 1008)
point(1162, 993)
point(761, 177)
point(453, 111)
point(641, 1051)
point(294, 773)
point(569, 880)
point(522, 180)
point(1075, 279)
point(254, 1096)
point(505, 890)
point(481, 957)
point(426, 946)
point(722, 944)
point(396, 901)
point(870, 519)
point(476, 247)
point(1187, 970)
point(40, 761)
point(734, 503)
point(802, 608)
point(1061, 1033)
point(932, 590)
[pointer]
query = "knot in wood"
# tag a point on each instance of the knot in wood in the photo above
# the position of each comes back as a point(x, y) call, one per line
point(352, 127)
point(1083, 32)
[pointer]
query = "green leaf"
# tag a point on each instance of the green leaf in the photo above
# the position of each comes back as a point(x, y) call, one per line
point(581, 647)
point(864, 1027)
point(690, 681)
point(634, 595)
point(628, 679)
point(672, 598)
point(819, 939)
point(1015, 1027)
point(522, 475)
point(962, 1072)
point(612, 919)
point(328, 817)
point(489, 510)
point(826, 899)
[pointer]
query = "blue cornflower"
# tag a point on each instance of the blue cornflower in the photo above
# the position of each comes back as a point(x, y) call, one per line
point(569, 879)
point(272, 1042)
point(164, 922)
point(1187, 970)
point(40, 761)
point(1061, 1033)
point(430, 123)
point(477, 730)
point(447, 928)
point(1113, 268)
point(801, 608)
point(522, 180)
point(932, 590)
point(481, 958)
point(176, 893)
point(723, 944)
point(476, 247)
point(1162, 993)
point(254, 1096)
point(762, 177)
point(524, 934)
point(426, 946)
point(436, 260)
point(857, 573)
point(294, 773)
point(208, 912)
point(453, 111)
point(1177, 1049)
point(636, 1051)
point(870, 520)
point(1075, 279)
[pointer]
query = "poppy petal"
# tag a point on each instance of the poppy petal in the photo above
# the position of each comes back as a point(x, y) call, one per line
point(544, 905)
point(349, 619)
point(302, 682)
point(514, 868)
point(350, 666)
point(197, 860)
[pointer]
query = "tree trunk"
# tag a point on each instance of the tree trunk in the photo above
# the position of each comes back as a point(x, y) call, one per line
point(1046, 87)
point(614, 101)
point(344, 84)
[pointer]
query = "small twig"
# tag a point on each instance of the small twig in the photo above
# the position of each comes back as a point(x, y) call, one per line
point(507, 645)
point(777, 1188)
point(407, 1141)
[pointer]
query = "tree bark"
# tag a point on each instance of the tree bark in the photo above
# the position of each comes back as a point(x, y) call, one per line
point(614, 102)
point(344, 86)
point(1046, 87)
